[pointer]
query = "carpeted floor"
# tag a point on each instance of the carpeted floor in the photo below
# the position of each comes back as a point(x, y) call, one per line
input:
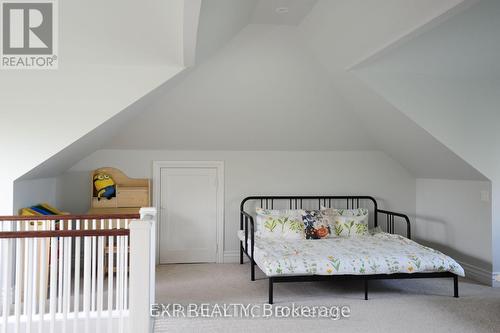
point(423, 305)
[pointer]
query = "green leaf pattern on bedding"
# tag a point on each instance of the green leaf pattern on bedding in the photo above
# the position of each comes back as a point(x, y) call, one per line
point(361, 229)
point(270, 224)
point(346, 222)
point(335, 262)
point(282, 224)
point(381, 253)
point(338, 228)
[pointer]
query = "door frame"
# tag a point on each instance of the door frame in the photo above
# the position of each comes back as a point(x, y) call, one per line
point(219, 166)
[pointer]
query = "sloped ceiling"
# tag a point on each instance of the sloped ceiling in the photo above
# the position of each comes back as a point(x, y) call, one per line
point(286, 12)
point(343, 33)
point(105, 64)
point(285, 87)
point(279, 88)
point(117, 64)
point(448, 81)
point(96, 138)
point(220, 21)
point(263, 91)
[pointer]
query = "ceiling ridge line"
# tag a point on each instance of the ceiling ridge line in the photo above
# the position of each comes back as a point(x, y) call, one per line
point(410, 34)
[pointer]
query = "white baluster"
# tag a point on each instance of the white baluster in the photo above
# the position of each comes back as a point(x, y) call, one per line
point(67, 278)
point(6, 243)
point(123, 272)
point(125, 265)
point(100, 281)
point(60, 270)
point(118, 268)
point(43, 279)
point(86, 279)
point(19, 275)
point(94, 266)
point(110, 279)
point(53, 278)
point(35, 271)
point(76, 294)
point(25, 272)
point(29, 291)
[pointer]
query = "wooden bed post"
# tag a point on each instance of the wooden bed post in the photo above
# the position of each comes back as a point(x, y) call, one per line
point(270, 290)
point(455, 286)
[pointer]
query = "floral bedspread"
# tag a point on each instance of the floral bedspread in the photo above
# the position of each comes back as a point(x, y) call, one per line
point(381, 253)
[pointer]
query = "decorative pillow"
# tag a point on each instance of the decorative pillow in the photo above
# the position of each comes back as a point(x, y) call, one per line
point(343, 212)
point(275, 223)
point(348, 222)
point(315, 225)
point(329, 211)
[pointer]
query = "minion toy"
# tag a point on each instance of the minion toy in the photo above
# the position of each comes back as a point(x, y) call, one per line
point(104, 186)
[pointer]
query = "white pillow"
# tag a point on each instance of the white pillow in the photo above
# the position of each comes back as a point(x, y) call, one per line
point(347, 222)
point(343, 212)
point(276, 223)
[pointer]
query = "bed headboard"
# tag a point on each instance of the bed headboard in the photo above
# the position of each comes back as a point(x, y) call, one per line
point(315, 202)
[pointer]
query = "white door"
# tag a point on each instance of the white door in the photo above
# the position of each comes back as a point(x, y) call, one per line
point(188, 226)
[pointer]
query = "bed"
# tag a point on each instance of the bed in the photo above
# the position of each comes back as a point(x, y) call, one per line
point(381, 254)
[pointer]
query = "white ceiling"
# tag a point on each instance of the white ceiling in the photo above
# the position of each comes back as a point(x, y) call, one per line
point(345, 32)
point(284, 87)
point(111, 54)
point(448, 81)
point(466, 46)
point(286, 12)
point(95, 139)
point(220, 20)
point(263, 91)
point(121, 32)
point(106, 63)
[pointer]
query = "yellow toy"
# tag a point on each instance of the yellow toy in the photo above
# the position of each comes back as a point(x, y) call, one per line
point(40, 209)
point(104, 186)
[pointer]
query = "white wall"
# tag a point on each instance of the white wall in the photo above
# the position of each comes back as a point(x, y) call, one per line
point(447, 81)
point(343, 32)
point(104, 67)
point(34, 191)
point(63, 106)
point(451, 217)
point(262, 91)
point(251, 173)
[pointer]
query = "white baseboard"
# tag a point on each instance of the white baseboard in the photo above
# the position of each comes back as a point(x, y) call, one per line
point(477, 273)
point(231, 257)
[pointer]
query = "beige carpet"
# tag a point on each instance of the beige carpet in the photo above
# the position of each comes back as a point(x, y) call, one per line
point(423, 305)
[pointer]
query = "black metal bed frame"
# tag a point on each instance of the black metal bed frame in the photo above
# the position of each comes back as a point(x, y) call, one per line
point(296, 202)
